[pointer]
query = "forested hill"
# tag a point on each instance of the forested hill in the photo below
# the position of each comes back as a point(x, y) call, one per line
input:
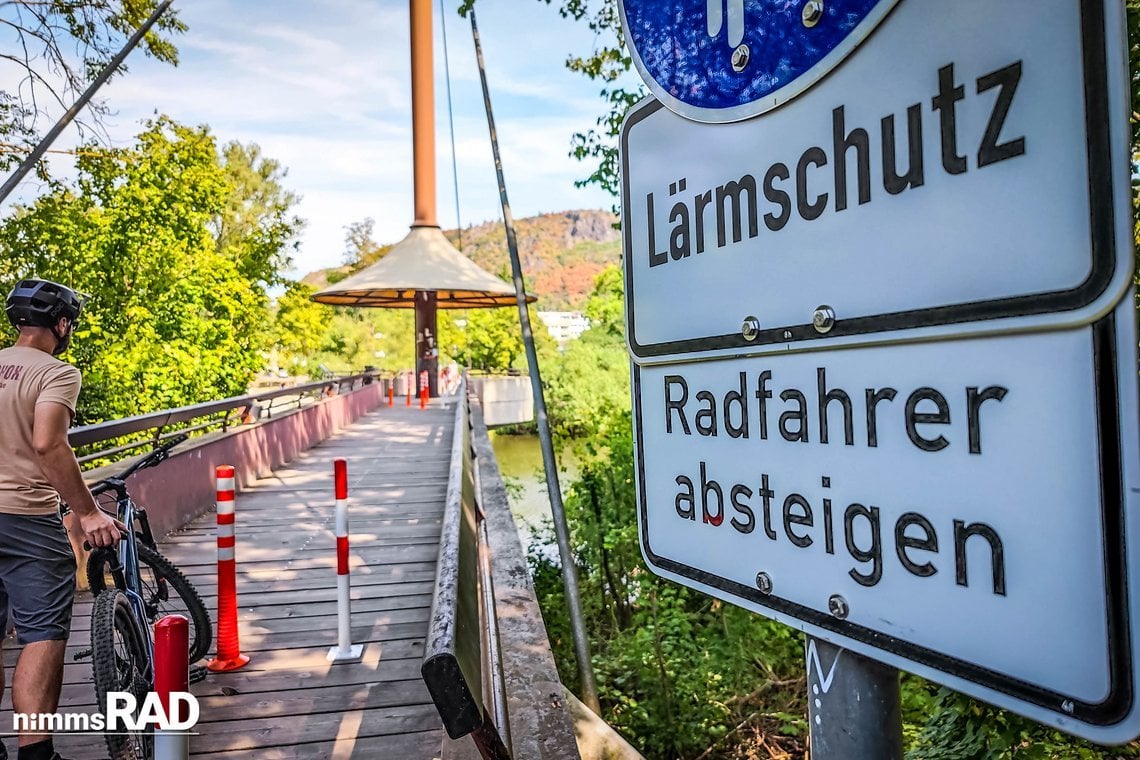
point(561, 254)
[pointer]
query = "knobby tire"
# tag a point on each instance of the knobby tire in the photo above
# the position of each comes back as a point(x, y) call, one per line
point(163, 578)
point(119, 664)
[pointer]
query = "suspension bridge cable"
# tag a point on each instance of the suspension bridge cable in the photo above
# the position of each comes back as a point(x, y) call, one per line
point(549, 463)
point(451, 123)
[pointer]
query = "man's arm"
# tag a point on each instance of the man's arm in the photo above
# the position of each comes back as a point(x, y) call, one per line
point(57, 460)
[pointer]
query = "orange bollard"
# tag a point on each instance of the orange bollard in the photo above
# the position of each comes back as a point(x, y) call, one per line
point(392, 392)
point(408, 382)
point(229, 656)
point(423, 398)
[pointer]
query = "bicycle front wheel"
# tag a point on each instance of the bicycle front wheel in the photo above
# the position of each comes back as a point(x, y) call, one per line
point(165, 591)
point(120, 663)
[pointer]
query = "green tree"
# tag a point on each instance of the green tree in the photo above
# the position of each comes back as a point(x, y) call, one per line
point(300, 323)
point(491, 340)
point(590, 379)
point(360, 248)
point(174, 318)
point(256, 228)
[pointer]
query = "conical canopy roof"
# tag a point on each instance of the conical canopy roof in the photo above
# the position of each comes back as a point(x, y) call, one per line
point(423, 261)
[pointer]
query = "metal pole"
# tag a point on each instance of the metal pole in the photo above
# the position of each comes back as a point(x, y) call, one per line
point(853, 705)
point(423, 114)
point(78, 106)
point(569, 569)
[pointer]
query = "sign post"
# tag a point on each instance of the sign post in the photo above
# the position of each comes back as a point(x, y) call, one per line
point(898, 408)
point(847, 690)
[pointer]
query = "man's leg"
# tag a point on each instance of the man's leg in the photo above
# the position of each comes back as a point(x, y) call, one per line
point(39, 576)
point(37, 682)
point(3, 748)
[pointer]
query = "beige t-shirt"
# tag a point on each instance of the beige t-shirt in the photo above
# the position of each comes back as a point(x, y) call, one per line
point(29, 377)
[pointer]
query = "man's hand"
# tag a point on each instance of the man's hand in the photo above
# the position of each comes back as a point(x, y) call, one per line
point(100, 529)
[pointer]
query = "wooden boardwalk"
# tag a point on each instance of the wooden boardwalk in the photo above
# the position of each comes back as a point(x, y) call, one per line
point(289, 702)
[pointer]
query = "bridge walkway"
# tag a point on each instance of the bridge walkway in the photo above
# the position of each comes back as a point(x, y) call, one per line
point(289, 702)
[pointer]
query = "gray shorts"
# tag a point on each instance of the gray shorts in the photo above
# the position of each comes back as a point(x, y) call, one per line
point(37, 577)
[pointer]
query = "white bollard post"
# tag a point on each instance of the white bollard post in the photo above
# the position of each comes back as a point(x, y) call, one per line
point(344, 651)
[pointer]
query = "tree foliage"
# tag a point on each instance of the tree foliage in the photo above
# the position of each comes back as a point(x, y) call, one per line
point(488, 340)
point(300, 323)
point(256, 227)
point(590, 379)
point(178, 310)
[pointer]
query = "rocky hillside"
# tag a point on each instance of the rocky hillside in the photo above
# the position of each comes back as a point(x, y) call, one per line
point(561, 254)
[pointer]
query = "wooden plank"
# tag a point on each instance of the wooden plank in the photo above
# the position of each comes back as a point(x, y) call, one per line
point(425, 744)
point(286, 610)
point(204, 537)
point(286, 557)
point(284, 731)
point(417, 745)
point(401, 583)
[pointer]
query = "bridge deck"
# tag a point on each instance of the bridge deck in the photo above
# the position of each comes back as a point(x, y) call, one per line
point(289, 702)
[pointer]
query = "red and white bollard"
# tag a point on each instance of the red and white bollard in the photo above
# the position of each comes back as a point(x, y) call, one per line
point(229, 656)
point(344, 651)
point(172, 675)
point(408, 386)
point(423, 389)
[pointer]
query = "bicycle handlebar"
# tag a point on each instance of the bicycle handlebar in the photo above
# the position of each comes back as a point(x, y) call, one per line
point(157, 456)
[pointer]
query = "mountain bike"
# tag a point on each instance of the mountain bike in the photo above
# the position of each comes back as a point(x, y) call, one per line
point(134, 586)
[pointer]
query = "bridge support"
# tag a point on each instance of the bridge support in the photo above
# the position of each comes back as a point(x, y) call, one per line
point(427, 340)
point(853, 705)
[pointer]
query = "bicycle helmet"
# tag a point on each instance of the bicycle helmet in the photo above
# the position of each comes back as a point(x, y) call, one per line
point(41, 303)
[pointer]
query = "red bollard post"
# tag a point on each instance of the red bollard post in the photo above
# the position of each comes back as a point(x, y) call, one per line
point(229, 656)
point(344, 651)
point(408, 384)
point(171, 675)
point(423, 389)
point(392, 392)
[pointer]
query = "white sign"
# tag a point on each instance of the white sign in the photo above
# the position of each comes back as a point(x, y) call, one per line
point(964, 170)
point(958, 509)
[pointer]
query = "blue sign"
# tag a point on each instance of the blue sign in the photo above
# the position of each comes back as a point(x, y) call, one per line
point(728, 60)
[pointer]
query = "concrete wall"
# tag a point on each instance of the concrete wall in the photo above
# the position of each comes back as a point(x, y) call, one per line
point(506, 400)
point(183, 487)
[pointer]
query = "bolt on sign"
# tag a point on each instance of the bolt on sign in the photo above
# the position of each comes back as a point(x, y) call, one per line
point(878, 274)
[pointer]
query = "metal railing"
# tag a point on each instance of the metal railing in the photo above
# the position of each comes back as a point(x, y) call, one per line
point(199, 419)
point(461, 657)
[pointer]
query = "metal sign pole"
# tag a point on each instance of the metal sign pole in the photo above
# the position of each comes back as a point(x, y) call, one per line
point(853, 705)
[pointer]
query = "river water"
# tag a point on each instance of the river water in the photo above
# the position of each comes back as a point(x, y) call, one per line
point(520, 461)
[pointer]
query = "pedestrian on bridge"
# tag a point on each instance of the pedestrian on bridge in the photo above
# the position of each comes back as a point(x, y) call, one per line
point(38, 393)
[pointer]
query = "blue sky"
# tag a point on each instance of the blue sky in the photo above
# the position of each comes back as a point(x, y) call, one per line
point(324, 88)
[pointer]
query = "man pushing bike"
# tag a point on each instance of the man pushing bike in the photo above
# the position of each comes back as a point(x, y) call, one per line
point(37, 468)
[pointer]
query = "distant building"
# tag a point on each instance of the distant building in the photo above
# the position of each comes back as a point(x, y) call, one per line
point(564, 326)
